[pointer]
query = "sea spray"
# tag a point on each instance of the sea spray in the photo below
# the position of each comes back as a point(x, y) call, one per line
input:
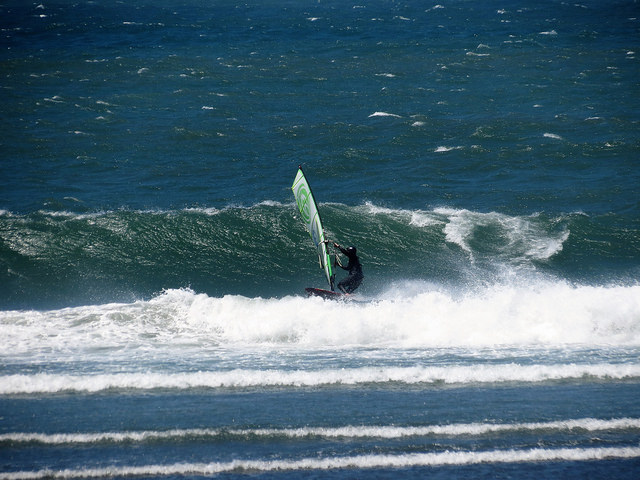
point(544, 313)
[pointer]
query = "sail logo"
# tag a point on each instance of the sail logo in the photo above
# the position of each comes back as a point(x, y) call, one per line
point(302, 197)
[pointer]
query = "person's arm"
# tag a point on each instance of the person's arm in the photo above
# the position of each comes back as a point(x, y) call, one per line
point(344, 252)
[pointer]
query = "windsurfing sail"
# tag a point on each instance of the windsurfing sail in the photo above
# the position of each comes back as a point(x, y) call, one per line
point(311, 218)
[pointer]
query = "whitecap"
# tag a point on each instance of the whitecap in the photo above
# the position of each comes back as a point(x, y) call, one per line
point(363, 461)
point(243, 378)
point(346, 431)
point(206, 210)
point(552, 135)
point(520, 238)
point(384, 114)
point(443, 149)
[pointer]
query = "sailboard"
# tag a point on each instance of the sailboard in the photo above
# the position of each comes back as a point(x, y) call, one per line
point(311, 217)
point(321, 292)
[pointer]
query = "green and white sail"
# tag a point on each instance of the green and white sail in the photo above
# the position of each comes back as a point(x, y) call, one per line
point(311, 217)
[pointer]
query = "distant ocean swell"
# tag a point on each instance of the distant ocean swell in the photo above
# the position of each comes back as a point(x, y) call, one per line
point(336, 462)
point(64, 258)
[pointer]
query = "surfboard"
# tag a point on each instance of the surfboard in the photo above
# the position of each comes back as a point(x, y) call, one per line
point(320, 292)
point(311, 217)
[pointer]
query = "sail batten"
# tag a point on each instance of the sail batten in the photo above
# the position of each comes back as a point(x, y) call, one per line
point(311, 218)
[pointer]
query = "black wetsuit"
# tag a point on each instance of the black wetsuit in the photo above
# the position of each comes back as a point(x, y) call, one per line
point(353, 281)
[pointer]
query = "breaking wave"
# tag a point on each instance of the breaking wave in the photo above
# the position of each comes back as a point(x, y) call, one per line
point(60, 258)
point(347, 431)
point(239, 378)
point(359, 461)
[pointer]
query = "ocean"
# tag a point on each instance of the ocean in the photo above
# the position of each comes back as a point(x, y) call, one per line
point(484, 157)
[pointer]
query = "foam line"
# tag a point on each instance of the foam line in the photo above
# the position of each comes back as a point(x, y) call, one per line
point(349, 431)
point(355, 462)
point(470, 374)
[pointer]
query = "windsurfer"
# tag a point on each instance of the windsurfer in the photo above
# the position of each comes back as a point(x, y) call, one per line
point(355, 277)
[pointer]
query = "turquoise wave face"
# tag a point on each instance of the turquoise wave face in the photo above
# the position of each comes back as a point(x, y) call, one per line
point(62, 258)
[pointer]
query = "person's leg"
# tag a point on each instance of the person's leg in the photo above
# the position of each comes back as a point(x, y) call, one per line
point(349, 284)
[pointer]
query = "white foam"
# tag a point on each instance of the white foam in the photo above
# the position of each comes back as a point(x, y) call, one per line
point(443, 149)
point(96, 214)
point(418, 218)
point(519, 238)
point(384, 114)
point(333, 463)
point(348, 431)
point(552, 135)
point(423, 219)
point(207, 211)
point(243, 378)
point(532, 313)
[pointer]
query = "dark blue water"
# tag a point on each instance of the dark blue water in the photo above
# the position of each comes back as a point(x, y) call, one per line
point(482, 156)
